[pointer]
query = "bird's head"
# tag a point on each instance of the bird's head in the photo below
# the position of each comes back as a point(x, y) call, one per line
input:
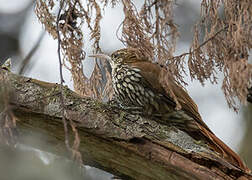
point(121, 56)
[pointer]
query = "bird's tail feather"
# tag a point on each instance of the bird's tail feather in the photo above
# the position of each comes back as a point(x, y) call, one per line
point(224, 150)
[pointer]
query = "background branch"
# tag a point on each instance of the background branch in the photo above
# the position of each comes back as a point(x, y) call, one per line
point(28, 57)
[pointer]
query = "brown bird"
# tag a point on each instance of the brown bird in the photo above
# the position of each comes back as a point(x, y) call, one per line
point(136, 84)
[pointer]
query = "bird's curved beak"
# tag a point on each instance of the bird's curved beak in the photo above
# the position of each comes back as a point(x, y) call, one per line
point(101, 56)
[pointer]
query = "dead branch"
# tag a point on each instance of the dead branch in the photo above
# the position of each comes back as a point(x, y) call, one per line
point(26, 61)
point(249, 98)
point(111, 139)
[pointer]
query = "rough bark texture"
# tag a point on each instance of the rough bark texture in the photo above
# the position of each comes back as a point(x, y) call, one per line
point(111, 139)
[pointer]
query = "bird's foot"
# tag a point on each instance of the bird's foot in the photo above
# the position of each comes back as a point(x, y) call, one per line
point(115, 103)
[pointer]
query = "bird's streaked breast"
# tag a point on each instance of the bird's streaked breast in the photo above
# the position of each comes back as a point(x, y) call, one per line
point(128, 88)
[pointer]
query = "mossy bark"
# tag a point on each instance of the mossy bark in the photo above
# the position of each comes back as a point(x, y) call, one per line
point(124, 144)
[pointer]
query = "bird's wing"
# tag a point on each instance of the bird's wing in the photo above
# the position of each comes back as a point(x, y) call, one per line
point(151, 73)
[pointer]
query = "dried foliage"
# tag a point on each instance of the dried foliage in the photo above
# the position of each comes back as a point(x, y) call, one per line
point(73, 15)
point(222, 40)
point(153, 31)
point(229, 40)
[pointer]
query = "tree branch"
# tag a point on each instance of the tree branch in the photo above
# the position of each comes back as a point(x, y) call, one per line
point(249, 98)
point(126, 145)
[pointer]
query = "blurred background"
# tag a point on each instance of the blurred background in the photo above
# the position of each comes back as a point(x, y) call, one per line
point(20, 32)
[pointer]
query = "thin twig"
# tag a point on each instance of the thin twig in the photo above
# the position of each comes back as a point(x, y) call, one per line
point(201, 45)
point(74, 149)
point(117, 31)
point(28, 57)
point(152, 4)
point(61, 78)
